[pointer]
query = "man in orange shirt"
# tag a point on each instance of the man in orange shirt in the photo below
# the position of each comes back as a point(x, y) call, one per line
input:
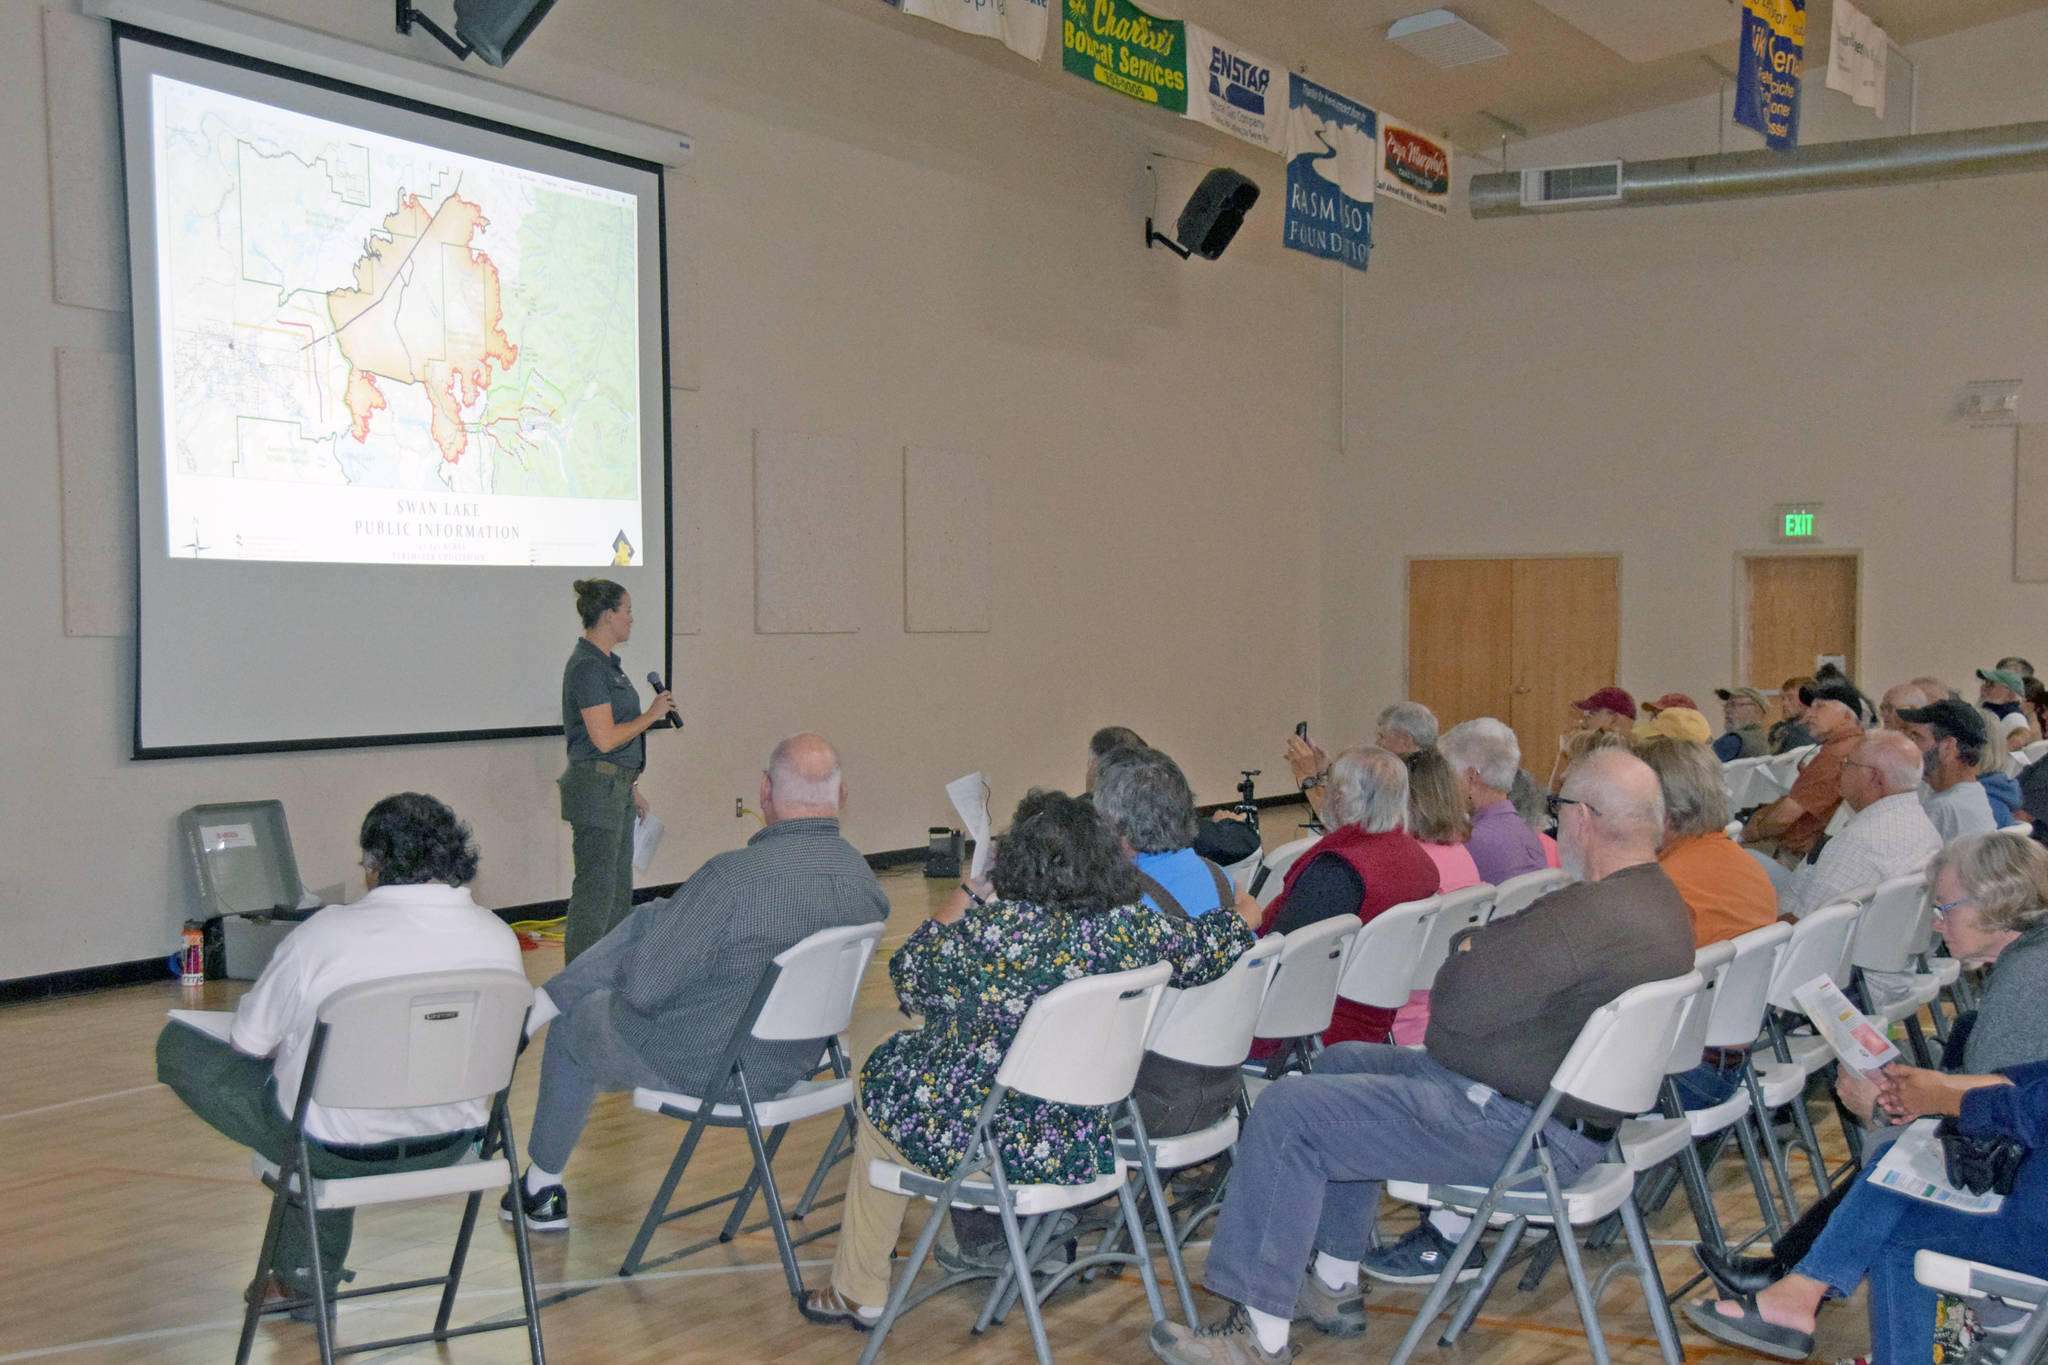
point(1727, 891)
point(1793, 824)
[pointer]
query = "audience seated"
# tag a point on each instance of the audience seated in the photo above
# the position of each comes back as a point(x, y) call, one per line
point(1223, 839)
point(417, 916)
point(1403, 728)
point(653, 1002)
point(1485, 757)
point(1727, 891)
point(1888, 836)
point(1994, 892)
point(1791, 826)
point(1875, 1232)
point(1608, 709)
point(1951, 738)
point(1066, 905)
point(2001, 788)
point(1790, 732)
point(1676, 722)
point(1742, 713)
point(1507, 1006)
point(1366, 863)
point(1438, 820)
point(1532, 804)
point(2002, 692)
point(1904, 696)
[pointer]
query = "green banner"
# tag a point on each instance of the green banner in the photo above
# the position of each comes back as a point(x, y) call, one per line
point(1114, 43)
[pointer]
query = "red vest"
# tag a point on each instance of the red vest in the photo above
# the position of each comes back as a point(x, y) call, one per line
point(1394, 869)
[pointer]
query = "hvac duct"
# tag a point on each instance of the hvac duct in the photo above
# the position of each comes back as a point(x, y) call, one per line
point(2006, 150)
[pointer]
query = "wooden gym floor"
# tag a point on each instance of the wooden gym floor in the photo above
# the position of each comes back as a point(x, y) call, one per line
point(130, 1229)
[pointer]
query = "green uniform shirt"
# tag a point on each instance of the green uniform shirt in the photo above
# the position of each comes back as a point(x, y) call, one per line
point(593, 678)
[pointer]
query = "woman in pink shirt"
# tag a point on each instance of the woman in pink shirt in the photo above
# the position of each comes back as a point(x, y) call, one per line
point(1439, 822)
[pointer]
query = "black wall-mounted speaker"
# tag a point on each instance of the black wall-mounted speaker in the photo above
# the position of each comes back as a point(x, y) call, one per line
point(494, 29)
point(1215, 212)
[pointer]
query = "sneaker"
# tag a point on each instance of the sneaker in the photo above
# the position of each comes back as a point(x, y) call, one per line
point(547, 1211)
point(1417, 1258)
point(1229, 1342)
point(1333, 1312)
point(994, 1257)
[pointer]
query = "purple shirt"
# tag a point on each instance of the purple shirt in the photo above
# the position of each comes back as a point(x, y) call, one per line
point(1502, 846)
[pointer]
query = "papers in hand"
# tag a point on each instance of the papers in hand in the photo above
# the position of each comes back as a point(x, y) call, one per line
point(215, 1023)
point(647, 832)
point(969, 795)
point(1854, 1039)
point(1914, 1167)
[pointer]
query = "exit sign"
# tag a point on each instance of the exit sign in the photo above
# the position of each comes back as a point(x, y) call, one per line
point(1796, 522)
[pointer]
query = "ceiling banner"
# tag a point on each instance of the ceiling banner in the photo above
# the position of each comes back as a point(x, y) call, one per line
point(1020, 24)
point(1767, 79)
point(1414, 168)
point(1856, 57)
point(1332, 150)
point(1233, 89)
point(1115, 44)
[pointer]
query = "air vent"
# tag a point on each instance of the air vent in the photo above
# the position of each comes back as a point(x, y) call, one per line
point(1594, 182)
point(1443, 39)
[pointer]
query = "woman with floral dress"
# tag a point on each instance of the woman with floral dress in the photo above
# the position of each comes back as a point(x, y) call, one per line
point(1066, 906)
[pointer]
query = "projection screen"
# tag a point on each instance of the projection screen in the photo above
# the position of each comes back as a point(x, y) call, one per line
point(401, 378)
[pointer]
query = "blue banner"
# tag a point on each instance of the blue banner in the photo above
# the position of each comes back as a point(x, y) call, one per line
point(1332, 156)
point(1767, 81)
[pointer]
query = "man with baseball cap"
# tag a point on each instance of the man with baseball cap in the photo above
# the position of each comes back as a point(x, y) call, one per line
point(1742, 711)
point(2001, 690)
point(1791, 826)
point(1951, 738)
point(1609, 708)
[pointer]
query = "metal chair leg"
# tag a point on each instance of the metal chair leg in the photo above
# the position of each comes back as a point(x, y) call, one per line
point(1652, 1282)
point(1759, 1180)
point(321, 1325)
point(1575, 1270)
point(1167, 1234)
point(522, 1243)
point(253, 1309)
point(764, 1172)
point(657, 1210)
point(462, 1236)
point(744, 1200)
point(900, 1291)
point(1482, 1288)
point(840, 1147)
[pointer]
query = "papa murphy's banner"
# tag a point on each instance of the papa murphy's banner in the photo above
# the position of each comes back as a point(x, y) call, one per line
point(1331, 154)
point(1414, 168)
point(1020, 24)
point(1767, 79)
point(1116, 44)
point(1234, 90)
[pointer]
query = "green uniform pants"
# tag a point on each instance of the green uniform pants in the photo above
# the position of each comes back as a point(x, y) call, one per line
point(237, 1095)
point(599, 809)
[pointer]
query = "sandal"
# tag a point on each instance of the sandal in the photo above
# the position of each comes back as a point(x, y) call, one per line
point(828, 1308)
point(1749, 1331)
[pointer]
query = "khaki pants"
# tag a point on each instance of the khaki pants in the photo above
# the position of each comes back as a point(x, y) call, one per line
point(869, 1224)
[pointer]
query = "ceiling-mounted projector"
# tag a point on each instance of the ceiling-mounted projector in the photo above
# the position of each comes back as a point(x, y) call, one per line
point(492, 29)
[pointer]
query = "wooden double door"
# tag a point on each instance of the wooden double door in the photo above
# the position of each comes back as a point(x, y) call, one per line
point(1516, 639)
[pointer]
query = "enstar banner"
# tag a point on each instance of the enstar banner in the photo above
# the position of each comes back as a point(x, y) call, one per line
point(1233, 89)
point(1767, 81)
point(1114, 43)
point(1019, 23)
point(1414, 168)
point(1856, 57)
point(1331, 154)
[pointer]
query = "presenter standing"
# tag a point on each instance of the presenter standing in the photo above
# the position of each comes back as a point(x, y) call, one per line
point(606, 730)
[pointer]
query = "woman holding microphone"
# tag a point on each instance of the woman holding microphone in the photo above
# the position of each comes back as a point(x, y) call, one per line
point(605, 727)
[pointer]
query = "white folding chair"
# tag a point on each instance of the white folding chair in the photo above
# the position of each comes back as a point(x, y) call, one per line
point(1739, 777)
point(1303, 995)
point(407, 1042)
point(1245, 870)
point(1265, 887)
point(807, 992)
point(1517, 894)
point(2032, 753)
point(1890, 939)
point(1380, 969)
point(1782, 771)
point(1457, 911)
point(1819, 946)
point(1617, 1064)
point(2020, 1332)
point(1079, 1044)
point(1209, 1026)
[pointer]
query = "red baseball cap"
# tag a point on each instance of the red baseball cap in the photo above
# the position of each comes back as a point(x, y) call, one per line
point(1609, 699)
point(1667, 701)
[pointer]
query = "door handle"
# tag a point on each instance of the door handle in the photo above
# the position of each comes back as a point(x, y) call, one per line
point(1521, 691)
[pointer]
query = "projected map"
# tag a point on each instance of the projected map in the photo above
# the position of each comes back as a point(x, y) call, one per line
point(379, 351)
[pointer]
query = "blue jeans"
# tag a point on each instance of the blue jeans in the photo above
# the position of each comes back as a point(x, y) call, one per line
point(1313, 1154)
point(1875, 1233)
point(1706, 1085)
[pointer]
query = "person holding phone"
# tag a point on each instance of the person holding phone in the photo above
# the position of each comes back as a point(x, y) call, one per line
point(606, 732)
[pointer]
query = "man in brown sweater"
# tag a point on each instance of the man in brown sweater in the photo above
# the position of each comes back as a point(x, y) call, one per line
point(1504, 1010)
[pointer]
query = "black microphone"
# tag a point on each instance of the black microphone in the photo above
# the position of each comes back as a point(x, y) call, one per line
point(675, 718)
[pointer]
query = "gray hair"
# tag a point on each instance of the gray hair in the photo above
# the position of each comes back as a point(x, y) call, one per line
point(1993, 757)
point(1486, 747)
point(804, 772)
point(1145, 796)
point(1893, 758)
point(1625, 800)
point(1410, 718)
point(1368, 787)
point(1695, 791)
point(2005, 875)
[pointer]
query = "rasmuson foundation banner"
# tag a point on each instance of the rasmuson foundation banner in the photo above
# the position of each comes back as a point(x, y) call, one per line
point(1332, 149)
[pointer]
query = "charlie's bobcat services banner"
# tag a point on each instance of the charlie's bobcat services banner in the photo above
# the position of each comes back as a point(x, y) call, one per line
point(1116, 44)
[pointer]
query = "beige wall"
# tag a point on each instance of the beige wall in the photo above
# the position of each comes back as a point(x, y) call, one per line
point(1649, 381)
point(900, 244)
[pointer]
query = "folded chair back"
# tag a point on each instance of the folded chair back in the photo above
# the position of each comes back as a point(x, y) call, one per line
point(1213, 1025)
point(1619, 1058)
point(1381, 965)
point(1690, 1037)
point(1517, 894)
point(1081, 1043)
point(1819, 945)
point(816, 980)
point(1893, 931)
point(410, 1042)
point(1744, 989)
point(1457, 911)
point(1303, 995)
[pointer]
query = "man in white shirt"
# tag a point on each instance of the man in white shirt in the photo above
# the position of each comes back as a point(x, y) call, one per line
point(417, 917)
point(1951, 737)
point(1889, 835)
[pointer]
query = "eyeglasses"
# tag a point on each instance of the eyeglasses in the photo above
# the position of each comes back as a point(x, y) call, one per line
point(1942, 908)
point(1553, 804)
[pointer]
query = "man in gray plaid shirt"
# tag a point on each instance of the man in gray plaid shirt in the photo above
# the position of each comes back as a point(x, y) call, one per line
point(654, 1001)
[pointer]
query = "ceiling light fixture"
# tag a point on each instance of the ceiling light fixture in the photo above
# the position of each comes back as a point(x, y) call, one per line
point(1443, 39)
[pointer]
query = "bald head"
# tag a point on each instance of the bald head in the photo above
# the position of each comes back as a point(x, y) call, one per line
point(1891, 762)
point(1618, 816)
point(1901, 698)
point(802, 780)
